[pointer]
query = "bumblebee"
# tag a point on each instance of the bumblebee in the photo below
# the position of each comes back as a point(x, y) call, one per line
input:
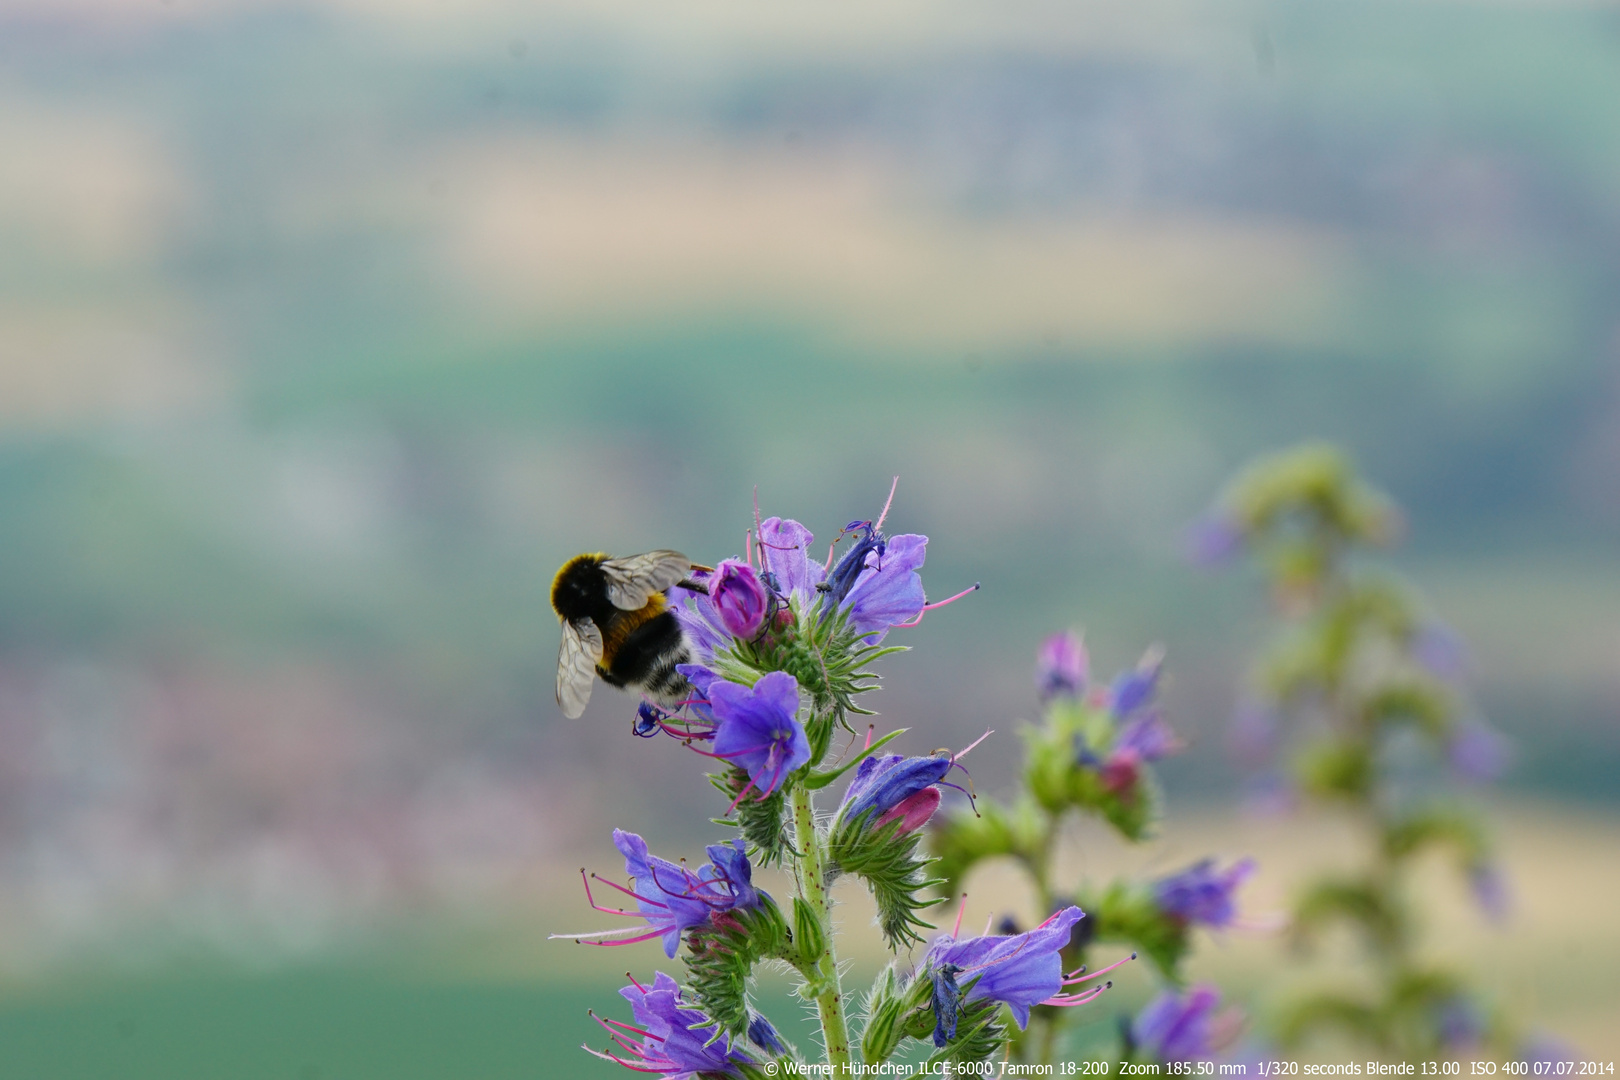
point(616, 624)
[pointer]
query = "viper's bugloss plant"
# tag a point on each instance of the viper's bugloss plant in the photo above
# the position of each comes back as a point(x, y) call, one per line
point(1358, 674)
point(782, 647)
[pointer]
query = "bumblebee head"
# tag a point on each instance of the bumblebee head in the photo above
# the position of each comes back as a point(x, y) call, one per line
point(580, 587)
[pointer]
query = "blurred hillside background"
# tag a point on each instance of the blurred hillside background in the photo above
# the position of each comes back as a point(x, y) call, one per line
point(329, 330)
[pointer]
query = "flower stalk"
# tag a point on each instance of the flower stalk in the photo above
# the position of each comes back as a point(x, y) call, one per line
point(813, 890)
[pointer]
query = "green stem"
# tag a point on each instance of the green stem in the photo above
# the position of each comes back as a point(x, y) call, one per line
point(813, 890)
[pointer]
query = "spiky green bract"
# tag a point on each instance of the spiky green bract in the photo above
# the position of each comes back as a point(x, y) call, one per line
point(722, 953)
point(960, 840)
point(820, 649)
point(883, 1009)
point(763, 821)
point(1063, 770)
point(893, 871)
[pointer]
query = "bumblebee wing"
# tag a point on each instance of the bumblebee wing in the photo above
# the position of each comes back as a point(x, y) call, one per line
point(632, 580)
point(576, 665)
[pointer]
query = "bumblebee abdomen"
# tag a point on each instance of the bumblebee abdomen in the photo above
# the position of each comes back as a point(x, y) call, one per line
point(644, 653)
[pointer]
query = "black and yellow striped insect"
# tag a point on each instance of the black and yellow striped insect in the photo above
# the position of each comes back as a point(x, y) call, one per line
point(616, 625)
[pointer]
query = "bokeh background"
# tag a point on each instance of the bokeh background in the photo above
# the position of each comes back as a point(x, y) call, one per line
point(329, 329)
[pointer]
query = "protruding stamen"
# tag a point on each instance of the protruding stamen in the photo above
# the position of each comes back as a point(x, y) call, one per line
point(628, 892)
point(1078, 975)
point(1069, 1000)
point(870, 728)
point(962, 753)
point(886, 504)
point(596, 933)
point(957, 929)
point(648, 936)
point(930, 607)
point(591, 900)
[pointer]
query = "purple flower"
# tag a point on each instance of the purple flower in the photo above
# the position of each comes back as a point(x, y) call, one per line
point(867, 551)
point(672, 898)
point(1131, 690)
point(1542, 1047)
point(1439, 649)
point(785, 551)
point(1201, 894)
point(764, 1035)
point(728, 864)
point(1019, 971)
point(696, 613)
point(1176, 1027)
point(1459, 1024)
point(1490, 890)
point(1147, 737)
point(759, 728)
point(1477, 752)
point(1062, 667)
point(739, 598)
point(1213, 541)
point(883, 782)
point(674, 1042)
point(888, 591)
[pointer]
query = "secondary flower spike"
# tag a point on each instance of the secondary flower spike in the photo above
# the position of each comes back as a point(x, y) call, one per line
point(759, 728)
point(666, 1039)
point(1201, 894)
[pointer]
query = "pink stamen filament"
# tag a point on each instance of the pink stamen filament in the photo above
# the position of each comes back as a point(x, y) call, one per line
point(957, 929)
point(1078, 974)
point(746, 789)
point(621, 1026)
point(930, 607)
point(693, 890)
point(960, 754)
point(591, 900)
point(610, 1056)
point(870, 728)
point(648, 936)
point(748, 541)
point(627, 892)
point(887, 503)
point(1067, 1000)
point(757, 528)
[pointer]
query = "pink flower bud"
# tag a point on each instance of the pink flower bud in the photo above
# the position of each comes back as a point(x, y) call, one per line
point(739, 597)
point(912, 812)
